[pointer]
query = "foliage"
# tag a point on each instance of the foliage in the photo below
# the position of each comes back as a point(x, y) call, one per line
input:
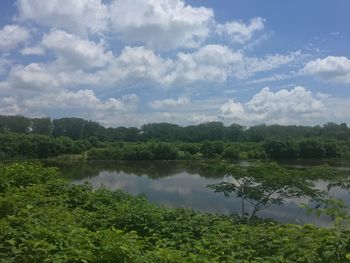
point(231, 152)
point(331, 206)
point(15, 145)
point(42, 138)
point(212, 149)
point(303, 149)
point(79, 129)
point(35, 146)
point(45, 219)
point(263, 185)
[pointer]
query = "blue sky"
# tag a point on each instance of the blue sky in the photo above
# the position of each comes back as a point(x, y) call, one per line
point(126, 63)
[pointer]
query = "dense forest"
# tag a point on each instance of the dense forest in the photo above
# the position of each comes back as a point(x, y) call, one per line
point(41, 138)
point(79, 129)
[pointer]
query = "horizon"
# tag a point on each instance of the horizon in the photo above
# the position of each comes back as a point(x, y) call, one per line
point(130, 63)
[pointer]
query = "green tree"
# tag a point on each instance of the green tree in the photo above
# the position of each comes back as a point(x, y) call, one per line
point(287, 149)
point(231, 152)
point(41, 126)
point(164, 151)
point(263, 185)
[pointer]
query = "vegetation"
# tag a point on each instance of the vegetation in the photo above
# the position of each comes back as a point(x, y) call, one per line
point(80, 129)
point(45, 219)
point(263, 185)
point(34, 146)
point(42, 138)
point(328, 204)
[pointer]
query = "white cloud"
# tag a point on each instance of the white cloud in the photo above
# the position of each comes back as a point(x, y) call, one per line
point(233, 109)
point(210, 63)
point(81, 100)
point(137, 65)
point(83, 103)
point(77, 16)
point(169, 103)
point(161, 24)
point(8, 106)
point(283, 107)
point(33, 76)
point(5, 63)
point(11, 36)
point(74, 51)
point(216, 63)
point(37, 76)
point(253, 65)
point(272, 78)
point(332, 69)
point(239, 32)
point(36, 50)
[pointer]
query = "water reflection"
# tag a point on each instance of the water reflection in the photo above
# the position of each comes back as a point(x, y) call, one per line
point(151, 169)
point(179, 184)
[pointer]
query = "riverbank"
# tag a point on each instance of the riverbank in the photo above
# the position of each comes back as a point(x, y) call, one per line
point(44, 218)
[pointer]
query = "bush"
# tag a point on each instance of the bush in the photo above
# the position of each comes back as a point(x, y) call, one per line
point(45, 219)
point(231, 153)
point(164, 151)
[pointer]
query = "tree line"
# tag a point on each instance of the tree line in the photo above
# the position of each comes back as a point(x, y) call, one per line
point(36, 146)
point(80, 129)
point(43, 138)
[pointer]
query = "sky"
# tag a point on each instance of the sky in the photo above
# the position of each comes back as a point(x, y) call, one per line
point(128, 63)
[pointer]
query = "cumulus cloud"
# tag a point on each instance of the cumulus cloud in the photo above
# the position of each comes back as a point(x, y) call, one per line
point(77, 16)
point(136, 65)
point(11, 36)
point(82, 100)
point(84, 103)
point(331, 69)
point(8, 106)
point(160, 24)
point(209, 63)
point(239, 32)
point(75, 51)
point(151, 25)
point(33, 76)
point(166, 103)
point(283, 107)
point(157, 24)
point(38, 76)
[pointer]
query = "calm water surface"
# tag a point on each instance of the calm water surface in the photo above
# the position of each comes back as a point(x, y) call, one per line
point(184, 184)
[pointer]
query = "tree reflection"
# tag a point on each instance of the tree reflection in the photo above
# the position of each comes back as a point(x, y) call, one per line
point(151, 169)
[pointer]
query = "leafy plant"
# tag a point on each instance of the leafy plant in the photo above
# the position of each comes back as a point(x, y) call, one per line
point(46, 219)
point(263, 185)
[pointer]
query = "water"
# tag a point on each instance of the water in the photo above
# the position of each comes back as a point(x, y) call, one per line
point(184, 184)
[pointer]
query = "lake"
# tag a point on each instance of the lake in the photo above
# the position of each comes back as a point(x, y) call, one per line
point(184, 184)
